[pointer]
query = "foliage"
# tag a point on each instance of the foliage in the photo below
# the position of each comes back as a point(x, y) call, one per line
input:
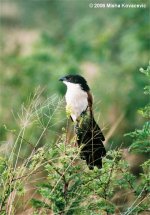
point(69, 187)
point(141, 137)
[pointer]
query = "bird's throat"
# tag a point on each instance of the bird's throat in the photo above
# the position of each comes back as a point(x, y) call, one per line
point(76, 100)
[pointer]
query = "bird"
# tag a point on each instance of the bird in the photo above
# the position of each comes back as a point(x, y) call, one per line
point(79, 106)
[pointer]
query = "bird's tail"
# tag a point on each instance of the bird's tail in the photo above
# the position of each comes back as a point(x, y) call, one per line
point(89, 139)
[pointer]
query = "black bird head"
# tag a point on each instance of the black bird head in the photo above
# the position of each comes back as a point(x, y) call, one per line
point(76, 79)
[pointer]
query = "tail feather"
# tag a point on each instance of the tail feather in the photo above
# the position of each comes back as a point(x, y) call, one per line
point(89, 138)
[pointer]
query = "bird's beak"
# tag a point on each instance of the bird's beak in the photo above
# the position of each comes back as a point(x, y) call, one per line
point(62, 79)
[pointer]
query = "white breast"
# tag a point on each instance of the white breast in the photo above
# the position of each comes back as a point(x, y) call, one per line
point(76, 99)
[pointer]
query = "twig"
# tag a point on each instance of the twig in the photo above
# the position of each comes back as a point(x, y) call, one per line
point(113, 128)
point(66, 183)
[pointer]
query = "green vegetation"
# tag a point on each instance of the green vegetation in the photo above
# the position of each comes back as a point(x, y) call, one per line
point(40, 170)
point(141, 139)
point(68, 186)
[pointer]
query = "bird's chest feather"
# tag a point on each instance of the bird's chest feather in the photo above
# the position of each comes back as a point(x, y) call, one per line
point(77, 101)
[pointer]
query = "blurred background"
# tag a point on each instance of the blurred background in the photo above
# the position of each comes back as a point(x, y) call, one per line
point(43, 40)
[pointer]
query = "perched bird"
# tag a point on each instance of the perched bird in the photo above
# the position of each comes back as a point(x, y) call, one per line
point(79, 107)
